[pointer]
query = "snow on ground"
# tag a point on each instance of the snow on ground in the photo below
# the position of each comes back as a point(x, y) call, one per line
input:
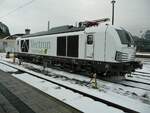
point(7, 68)
point(76, 100)
point(110, 96)
point(102, 85)
point(142, 75)
point(3, 57)
point(107, 90)
point(139, 78)
point(146, 65)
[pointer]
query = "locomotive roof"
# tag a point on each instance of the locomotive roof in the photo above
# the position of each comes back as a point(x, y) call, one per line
point(56, 30)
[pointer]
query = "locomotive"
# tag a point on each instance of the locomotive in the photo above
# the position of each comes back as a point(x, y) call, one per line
point(91, 46)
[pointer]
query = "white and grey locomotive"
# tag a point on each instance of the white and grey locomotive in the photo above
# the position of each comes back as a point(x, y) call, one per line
point(104, 49)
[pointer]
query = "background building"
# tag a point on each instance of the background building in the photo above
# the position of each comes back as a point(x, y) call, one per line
point(143, 42)
point(7, 44)
point(7, 41)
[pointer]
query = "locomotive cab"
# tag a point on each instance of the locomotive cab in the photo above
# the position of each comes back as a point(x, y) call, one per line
point(113, 48)
point(127, 51)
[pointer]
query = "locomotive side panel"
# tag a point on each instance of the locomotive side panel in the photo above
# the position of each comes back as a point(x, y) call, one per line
point(111, 45)
point(105, 44)
point(43, 45)
point(99, 46)
point(61, 45)
point(82, 42)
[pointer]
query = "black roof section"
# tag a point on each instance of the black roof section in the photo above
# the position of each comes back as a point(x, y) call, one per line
point(56, 30)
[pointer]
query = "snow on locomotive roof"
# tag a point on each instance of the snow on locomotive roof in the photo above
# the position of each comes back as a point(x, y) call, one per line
point(56, 30)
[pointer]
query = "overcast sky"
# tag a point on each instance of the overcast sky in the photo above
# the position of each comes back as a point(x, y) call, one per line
point(133, 15)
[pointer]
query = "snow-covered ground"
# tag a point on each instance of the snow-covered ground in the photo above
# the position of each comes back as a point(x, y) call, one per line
point(125, 96)
point(134, 93)
point(146, 67)
point(76, 100)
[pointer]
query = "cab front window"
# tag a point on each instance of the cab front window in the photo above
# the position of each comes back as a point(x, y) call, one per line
point(125, 37)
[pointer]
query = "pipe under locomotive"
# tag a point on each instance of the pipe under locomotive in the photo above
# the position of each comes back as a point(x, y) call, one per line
point(104, 49)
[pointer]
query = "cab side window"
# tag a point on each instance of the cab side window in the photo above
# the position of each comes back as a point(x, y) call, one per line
point(90, 39)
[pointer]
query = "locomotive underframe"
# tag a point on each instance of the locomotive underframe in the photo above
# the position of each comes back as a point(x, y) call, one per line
point(103, 68)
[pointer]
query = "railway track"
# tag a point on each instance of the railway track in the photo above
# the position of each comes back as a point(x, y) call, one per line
point(142, 76)
point(135, 84)
point(139, 80)
point(109, 103)
point(126, 82)
point(143, 73)
point(134, 81)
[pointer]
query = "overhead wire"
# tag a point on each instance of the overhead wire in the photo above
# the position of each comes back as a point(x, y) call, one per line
point(18, 8)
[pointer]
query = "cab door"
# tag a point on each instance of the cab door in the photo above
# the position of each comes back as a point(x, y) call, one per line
point(90, 46)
